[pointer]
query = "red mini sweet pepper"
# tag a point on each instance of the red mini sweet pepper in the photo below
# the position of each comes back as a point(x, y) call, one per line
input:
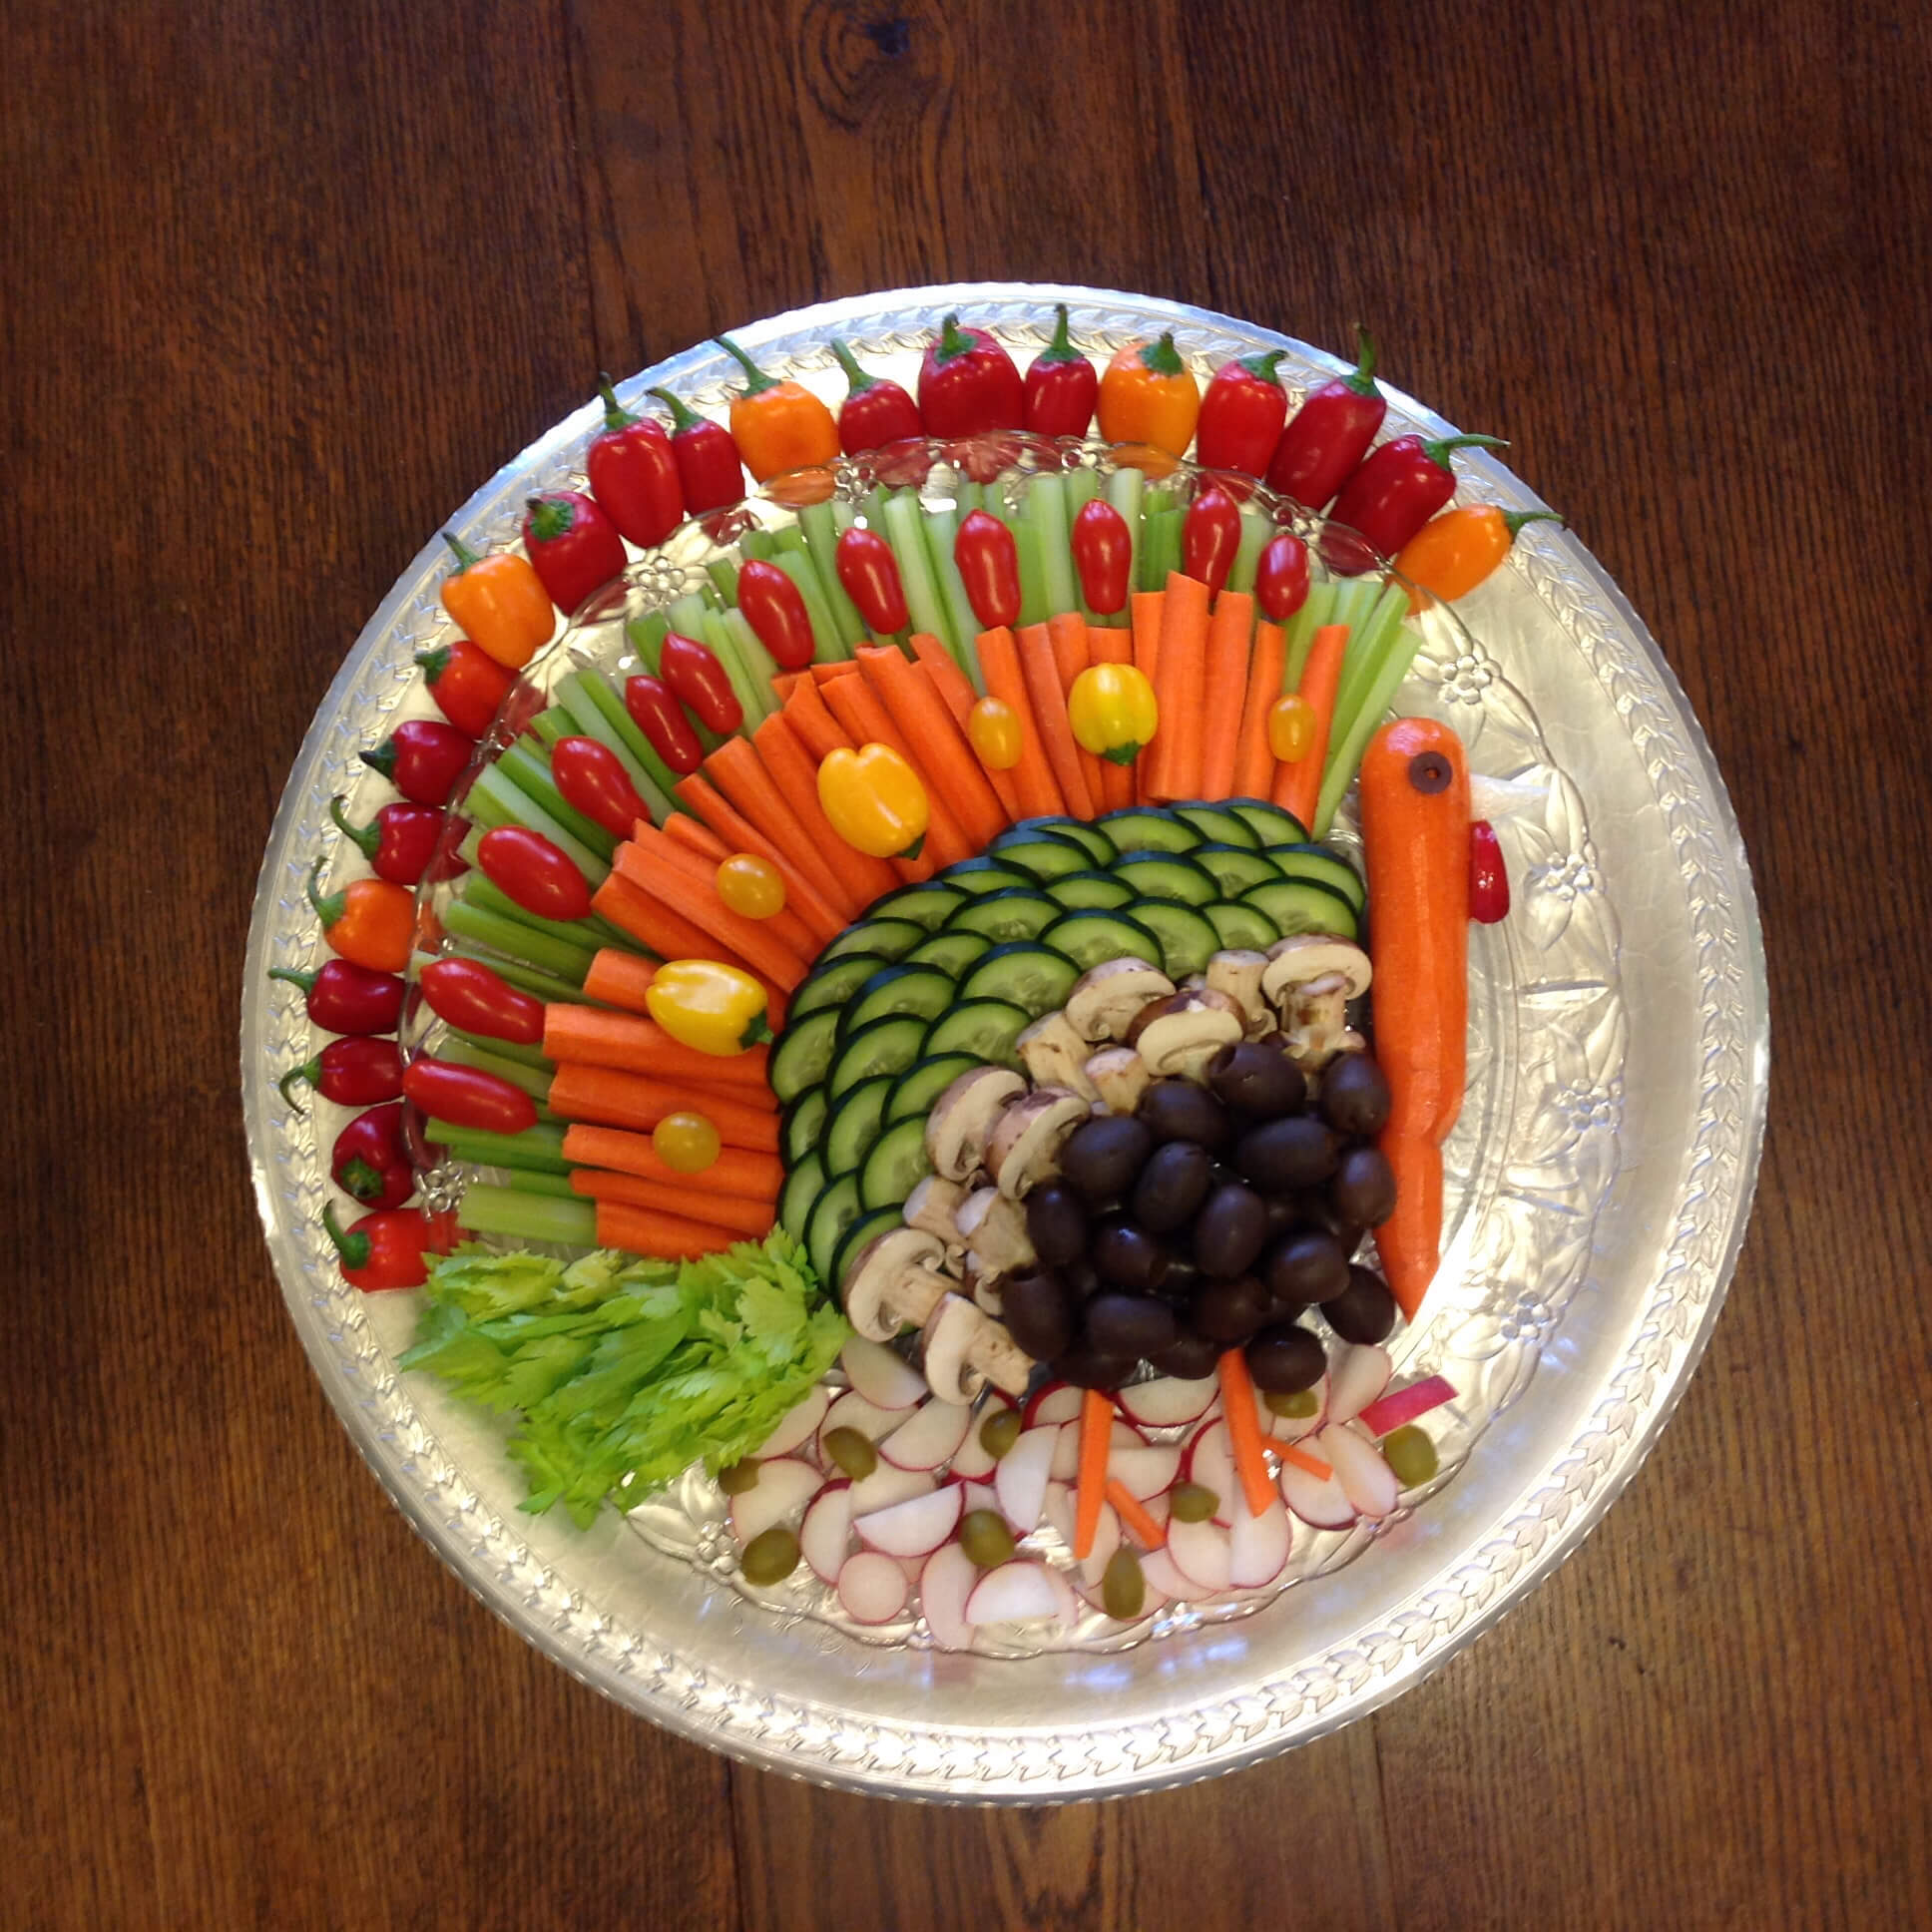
point(1060, 387)
point(655, 711)
point(538, 876)
point(870, 575)
point(1399, 487)
point(1281, 577)
point(988, 566)
point(1242, 414)
point(697, 678)
point(706, 458)
point(370, 1159)
point(1330, 433)
point(968, 384)
point(467, 684)
point(422, 758)
point(340, 997)
point(1103, 548)
point(1210, 537)
point(467, 1095)
point(477, 999)
point(633, 474)
point(399, 841)
point(594, 783)
point(1489, 888)
point(876, 411)
point(572, 544)
point(385, 1249)
point(357, 1072)
point(775, 607)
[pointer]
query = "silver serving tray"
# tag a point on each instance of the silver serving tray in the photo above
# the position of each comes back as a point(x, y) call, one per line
point(1600, 1180)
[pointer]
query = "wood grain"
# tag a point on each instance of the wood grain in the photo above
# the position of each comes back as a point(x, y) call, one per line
point(286, 283)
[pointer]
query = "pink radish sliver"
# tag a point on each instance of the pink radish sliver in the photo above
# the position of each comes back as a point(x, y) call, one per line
point(1145, 1470)
point(1057, 1402)
point(1292, 1428)
point(915, 1528)
point(887, 1485)
point(1020, 1481)
point(1259, 1545)
point(825, 1536)
point(852, 1411)
point(1210, 1461)
point(1014, 1593)
point(1357, 1374)
point(950, 1577)
point(1168, 1401)
point(1319, 1501)
point(1202, 1553)
point(1402, 1406)
point(973, 1458)
point(798, 1427)
point(782, 1489)
point(873, 1588)
point(1366, 1479)
point(886, 1379)
point(931, 1435)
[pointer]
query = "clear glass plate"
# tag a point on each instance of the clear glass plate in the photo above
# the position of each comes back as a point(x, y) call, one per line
point(1603, 1167)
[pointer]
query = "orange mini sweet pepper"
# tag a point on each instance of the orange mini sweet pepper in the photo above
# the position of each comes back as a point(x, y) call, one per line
point(1148, 395)
point(500, 601)
point(1449, 555)
point(777, 425)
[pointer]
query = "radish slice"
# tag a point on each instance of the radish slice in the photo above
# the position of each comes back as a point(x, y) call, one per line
point(1014, 1593)
point(1357, 1374)
point(1066, 1455)
point(1060, 1512)
point(852, 1411)
point(929, 1437)
point(886, 1486)
point(1366, 1479)
point(915, 1528)
point(1401, 1406)
point(880, 1375)
point(1292, 1428)
point(1204, 1553)
point(1168, 1401)
point(1055, 1402)
point(1319, 1501)
point(1210, 1461)
point(825, 1536)
point(1259, 1545)
point(798, 1427)
point(972, 1458)
point(947, 1579)
point(1066, 1595)
point(1020, 1481)
point(1161, 1577)
point(1146, 1470)
point(873, 1588)
point(783, 1488)
point(977, 1496)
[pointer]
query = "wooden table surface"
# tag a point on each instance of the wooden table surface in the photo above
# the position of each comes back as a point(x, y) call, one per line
point(286, 283)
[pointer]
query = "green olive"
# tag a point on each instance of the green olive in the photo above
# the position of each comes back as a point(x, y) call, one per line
point(1122, 1590)
point(1409, 1452)
point(1291, 1407)
point(771, 1557)
point(999, 1432)
point(736, 1476)
point(1191, 1502)
point(854, 1454)
point(985, 1537)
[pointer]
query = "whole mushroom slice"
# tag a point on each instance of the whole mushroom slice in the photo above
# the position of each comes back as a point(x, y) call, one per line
point(962, 1118)
point(1055, 1054)
point(1181, 1033)
point(1105, 998)
point(1025, 1144)
point(1311, 977)
point(1238, 973)
point(964, 1350)
point(992, 1226)
point(1120, 1077)
point(933, 1207)
point(893, 1282)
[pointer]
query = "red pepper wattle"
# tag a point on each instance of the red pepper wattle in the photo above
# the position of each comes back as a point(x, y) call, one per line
point(594, 783)
point(1241, 414)
point(655, 711)
point(467, 1095)
point(708, 460)
point(1398, 488)
point(475, 998)
point(385, 1249)
point(1330, 433)
point(422, 758)
point(370, 1159)
point(466, 685)
point(775, 607)
point(968, 384)
point(399, 841)
point(875, 411)
point(633, 474)
point(356, 1072)
point(1060, 387)
point(1489, 887)
point(1103, 548)
point(989, 567)
point(869, 574)
point(340, 997)
point(573, 546)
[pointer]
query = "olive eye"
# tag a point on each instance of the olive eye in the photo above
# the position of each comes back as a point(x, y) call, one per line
point(1429, 771)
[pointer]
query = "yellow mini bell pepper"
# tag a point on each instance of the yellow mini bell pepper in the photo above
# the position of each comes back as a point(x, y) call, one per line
point(704, 1004)
point(875, 800)
point(1113, 712)
point(1148, 395)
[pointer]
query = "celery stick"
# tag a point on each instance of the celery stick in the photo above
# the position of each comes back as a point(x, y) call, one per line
point(538, 1146)
point(686, 615)
point(1302, 627)
point(1255, 532)
point(942, 527)
point(518, 941)
point(902, 518)
point(646, 634)
point(485, 814)
point(599, 713)
point(1395, 652)
point(1033, 582)
point(1124, 491)
point(531, 774)
point(552, 727)
point(530, 1181)
point(1366, 646)
point(533, 1056)
point(827, 646)
point(756, 545)
point(968, 496)
point(759, 664)
point(723, 573)
point(487, 896)
point(497, 787)
point(1083, 485)
point(844, 517)
point(1162, 554)
point(526, 1218)
point(725, 649)
point(459, 1050)
point(1353, 604)
point(1047, 512)
point(872, 507)
point(820, 530)
point(527, 979)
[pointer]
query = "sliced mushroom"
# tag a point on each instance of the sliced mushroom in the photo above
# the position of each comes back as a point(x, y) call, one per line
point(1181, 1034)
point(1238, 973)
point(1311, 977)
point(962, 1120)
point(1026, 1139)
point(893, 1282)
point(982, 1285)
point(993, 1226)
point(1120, 1077)
point(1055, 1054)
point(934, 1204)
point(1105, 997)
point(945, 1343)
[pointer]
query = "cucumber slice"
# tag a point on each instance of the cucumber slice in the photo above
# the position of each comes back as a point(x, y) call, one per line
point(1240, 927)
point(1027, 974)
point(1143, 828)
point(915, 1090)
point(1167, 875)
point(853, 1125)
point(1088, 937)
point(983, 1030)
point(1005, 915)
point(805, 1121)
point(925, 905)
point(1097, 845)
point(831, 1213)
point(803, 1184)
point(803, 1052)
point(1326, 866)
point(895, 1166)
point(865, 1230)
point(951, 952)
point(1045, 854)
point(887, 1046)
point(1188, 939)
point(832, 982)
point(1299, 906)
point(1235, 868)
point(922, 990)
point(1219, 822)
point(1089, 891)
point(1270, 823)
point(982, 874)
point(886, 938)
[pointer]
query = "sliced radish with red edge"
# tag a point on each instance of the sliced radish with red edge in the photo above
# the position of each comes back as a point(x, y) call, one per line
point(783, 1488)
point(915, 1528)
point(873, 1588)
point(881, 1374)
point(1399, 1407)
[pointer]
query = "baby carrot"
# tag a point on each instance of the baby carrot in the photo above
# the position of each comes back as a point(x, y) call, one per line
point(659, 1238)
point(1147, 607)
point(1244, 1432)
point(696, 836)
point(1073, 651)
point(1298, 786)
point(823, 673)
point(651, 923)
point(701, 869)
point(605, 1096)
point(1096, 1434)
point(740, 775)
point(1049, 704)
point(646, 862)
point(729, 827)
point(593, 1038)
point(1180, 689)
point(747, 1219)
point(860, 878)
point(1254, 761)
point(938, 744)
point(620, 979)
point(821, 733)
point(1105, 645)
point(744, 1172)
point(956, 692)
point(1033, 780)
point(1227, 634)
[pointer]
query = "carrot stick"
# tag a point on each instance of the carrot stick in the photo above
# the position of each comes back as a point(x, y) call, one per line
point(751, 1174)
point(696, 837)
point(652, 923)
point(1149, 1534)
point(1049, 703)
point(861, 877)
point(1311, 1465)
point(661, 1237)
point(819, 731)
point(620, 979)
point(1180, 689)
point(938, 743)
point(1073, 651)
point(786, 683)
point(1254, 761)
point(1298, 786)
point(590, 1037)
point(1096, 1433)
point(1108, 645)
point(737, 771)
point(823, 673)
point(605, 1096)
point(747, 1218)
point(956, 693)
point(1227, 635)
point(646, 862)
point(1146, 608)
point(1033, 780)
point(1416, 843)
point(856, 706)
point(828, 917)
point(785, 927)
point(1244, 1432)
point(1000, 782)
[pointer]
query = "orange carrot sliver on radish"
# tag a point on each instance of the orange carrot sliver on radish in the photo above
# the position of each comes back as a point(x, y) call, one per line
point(1298, 786)
point(938, 744)
point(1245, 1431)
point(860, 878)
point(1095, 1435)
point(1180, 690)
point(1307, 1464)
point(1227, 635)
point(1133, 1516)
point(1073, 651)
point(747, 1219)
point(855, 704)
point(1105, 645)
point(620, 979)
point(1254, 760)
point(634, 1044)
point(1049, 703)
point(1033, 780)
point(744, 1171)
point(659, 1238)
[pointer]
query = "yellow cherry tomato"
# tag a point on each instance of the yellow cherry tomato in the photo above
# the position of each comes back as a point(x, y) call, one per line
point(705, 1004)
point(994, 728)
point(1292, 729)
point(875, 800)
point(751, 886)
point(1113, 712)
point(686, 1142)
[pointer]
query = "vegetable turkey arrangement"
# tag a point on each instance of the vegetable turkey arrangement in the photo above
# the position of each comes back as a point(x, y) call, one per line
point(923, 930)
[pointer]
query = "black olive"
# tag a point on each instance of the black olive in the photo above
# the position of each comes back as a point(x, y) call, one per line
point(1056, 1224)
point(1354, 1095)
point(1039, 1311)
point(1283, 1358)
point(1085, 1366)
point(1363, 1188)
point(1364, 1310)
point(1171, 1185)
point(1230, 1311)
point(1230, 1230)
point(1257, 1083)
point(1280, 1155)
point(1134, 1325)
point(1188, 1355)
point(1177, 1110)
point(1127, 1255)
point(1305, 1266)
point(1102, 1156)
point(1082, 1279)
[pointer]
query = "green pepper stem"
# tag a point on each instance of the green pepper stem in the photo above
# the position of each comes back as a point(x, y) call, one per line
point(352, 1249)
point(1160, 358)
point(382, 757)
point(295, 977)
point(310, 1072)
point(1061, 348)
point(1439, 450)
point(616, 416)
point(326, 910)
point(755, 379)
point(682, 418)
point(461, 551)
point(856, 379)
point(1363, 377)
point(1514, 520)
point(953, 341)
point(1262, 368)
point(434, 661)
point(551, 517)
point(360, 1181)
point(366, 837)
